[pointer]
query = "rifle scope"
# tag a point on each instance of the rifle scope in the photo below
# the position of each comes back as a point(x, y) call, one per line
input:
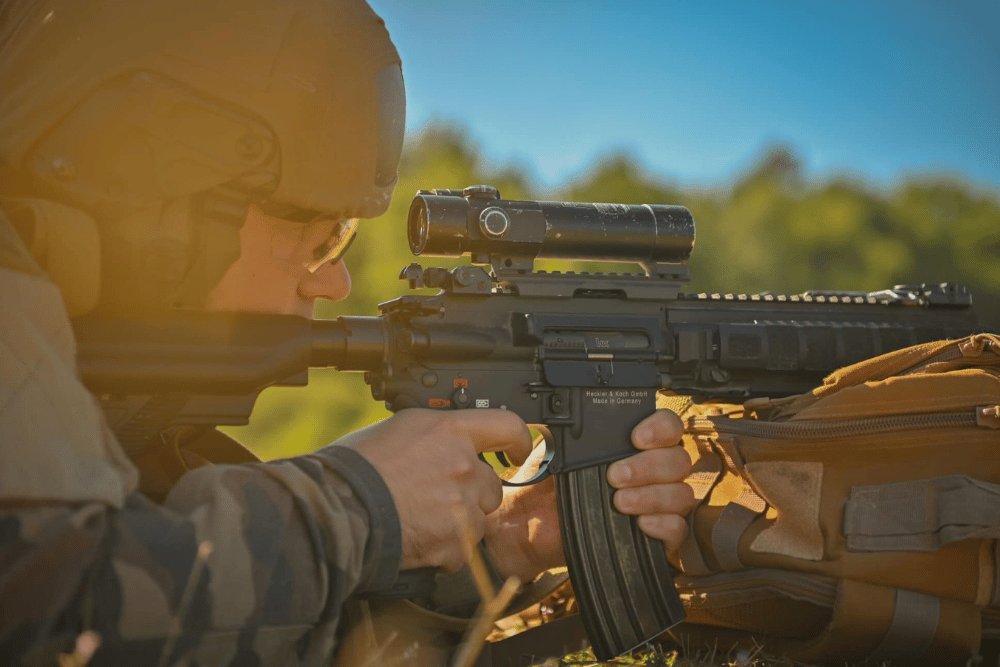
point(476, 221)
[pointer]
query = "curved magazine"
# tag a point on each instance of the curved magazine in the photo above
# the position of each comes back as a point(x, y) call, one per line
point(621, 578)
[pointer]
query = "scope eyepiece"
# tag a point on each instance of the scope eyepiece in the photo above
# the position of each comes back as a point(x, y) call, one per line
point(477, 221)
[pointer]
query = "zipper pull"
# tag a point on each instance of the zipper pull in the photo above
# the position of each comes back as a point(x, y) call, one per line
point(764, 409)
point(988, 416)
point(975, 344)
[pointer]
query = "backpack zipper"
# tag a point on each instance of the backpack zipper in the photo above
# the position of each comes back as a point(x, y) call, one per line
point(947, 355)
point(987, 417)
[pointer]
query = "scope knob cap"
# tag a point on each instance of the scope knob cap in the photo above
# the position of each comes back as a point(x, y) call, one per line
point(494, 222)
point(481, 192)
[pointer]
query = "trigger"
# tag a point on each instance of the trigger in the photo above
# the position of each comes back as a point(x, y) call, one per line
point(500, 463)
point(497, 460)
point(543, 471)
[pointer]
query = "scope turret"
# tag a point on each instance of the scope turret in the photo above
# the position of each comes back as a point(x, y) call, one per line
point(477, 221)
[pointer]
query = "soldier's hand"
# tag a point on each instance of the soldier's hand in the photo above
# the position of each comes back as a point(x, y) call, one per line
point(651, 483)
point(428, 460)
point(523, 536)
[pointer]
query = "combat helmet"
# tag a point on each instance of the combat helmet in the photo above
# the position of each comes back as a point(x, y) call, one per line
point(161, 121)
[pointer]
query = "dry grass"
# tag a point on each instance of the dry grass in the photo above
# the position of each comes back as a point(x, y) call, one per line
point(562, 603)
point(660, 656)
point(657, 656)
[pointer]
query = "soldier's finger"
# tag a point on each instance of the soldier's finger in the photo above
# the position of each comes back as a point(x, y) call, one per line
point(474, 527)
point(494, 430)
point(531, 465)
point(677, 498)
point(663, 428)
point(488, 488)
point(654, 466)
point(670, 528)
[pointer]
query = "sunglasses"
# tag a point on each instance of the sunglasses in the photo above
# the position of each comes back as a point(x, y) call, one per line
point(292, 229)
point(332, 250)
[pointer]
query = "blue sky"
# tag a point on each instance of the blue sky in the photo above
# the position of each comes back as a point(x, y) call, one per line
point(697, 90)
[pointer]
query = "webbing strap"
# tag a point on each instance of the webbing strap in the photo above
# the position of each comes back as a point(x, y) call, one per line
point(689, 555)
point(914, 623)
point(732, 456)
point(704, 474)
point(736, 517)
point(921, 515)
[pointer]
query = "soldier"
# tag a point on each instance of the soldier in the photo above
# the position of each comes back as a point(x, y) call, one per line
point(210, 154)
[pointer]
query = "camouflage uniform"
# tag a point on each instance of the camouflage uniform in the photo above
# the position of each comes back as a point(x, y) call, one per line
point(81, 549)
point(119, 123)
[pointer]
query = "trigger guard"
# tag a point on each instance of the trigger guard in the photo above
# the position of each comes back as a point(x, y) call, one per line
point(543, 469)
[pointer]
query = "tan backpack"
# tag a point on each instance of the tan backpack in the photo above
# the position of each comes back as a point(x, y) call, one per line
point(857, 521)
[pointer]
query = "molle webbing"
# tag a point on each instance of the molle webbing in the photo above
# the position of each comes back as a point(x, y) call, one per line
point(914, 623)
point(705, 472)
point(921, 515)
point(757, 583)
point(715, 458)
point(736, 517)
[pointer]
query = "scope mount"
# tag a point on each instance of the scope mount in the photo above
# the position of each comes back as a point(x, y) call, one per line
point(505, 237)
point(516, 275)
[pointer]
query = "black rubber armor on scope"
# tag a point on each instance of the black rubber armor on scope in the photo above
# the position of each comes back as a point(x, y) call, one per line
point(476, 221)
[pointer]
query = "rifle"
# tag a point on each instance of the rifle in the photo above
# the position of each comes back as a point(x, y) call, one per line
point(580, 356)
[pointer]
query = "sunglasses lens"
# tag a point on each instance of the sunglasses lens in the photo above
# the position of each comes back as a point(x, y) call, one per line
point(336, 246)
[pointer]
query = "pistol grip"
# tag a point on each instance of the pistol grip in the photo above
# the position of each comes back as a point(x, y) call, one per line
point(621, 577)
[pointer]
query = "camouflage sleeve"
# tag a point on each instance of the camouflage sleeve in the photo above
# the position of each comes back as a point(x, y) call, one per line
point(243, 564)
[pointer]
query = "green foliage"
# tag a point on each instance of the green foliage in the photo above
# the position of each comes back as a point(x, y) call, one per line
point(770, 230)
